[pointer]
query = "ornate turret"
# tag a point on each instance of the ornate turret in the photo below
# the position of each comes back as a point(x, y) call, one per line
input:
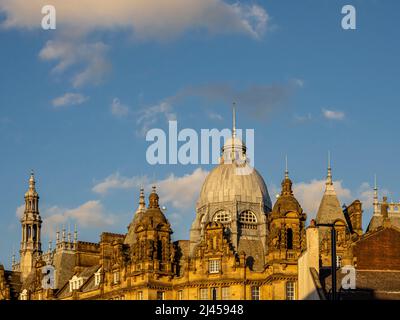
point(287, 228)
point(130, 237)
point(31, 223)
point(151, 245)
point(153, 215)
point(286, 201)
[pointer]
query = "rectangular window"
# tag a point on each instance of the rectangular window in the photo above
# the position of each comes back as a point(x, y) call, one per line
point(290, 290)
point(203, 294)
point(225, 293)
point(180, 295)
point(160, 295)
point(213, 266)
point(116, 277)
point(338, 261)
point(255, 293)
point(140, 295)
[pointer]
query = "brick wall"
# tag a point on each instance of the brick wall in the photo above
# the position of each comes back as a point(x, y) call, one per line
point(379, 251)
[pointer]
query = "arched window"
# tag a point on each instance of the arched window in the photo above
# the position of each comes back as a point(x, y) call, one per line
point(34, 233)
point(289, 239)
point(247, 217)
point(222, 216)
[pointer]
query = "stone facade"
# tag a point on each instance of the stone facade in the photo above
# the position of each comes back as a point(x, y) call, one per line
point(240, 247)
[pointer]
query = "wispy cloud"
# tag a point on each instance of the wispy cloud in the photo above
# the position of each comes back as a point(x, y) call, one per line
point(302, 118)
point(88, 60)
point(215, 116)
point(116, 181)
point(69, 99)
point(118, 109)
point(258, 100)
point(333, 114)
point(148, 116)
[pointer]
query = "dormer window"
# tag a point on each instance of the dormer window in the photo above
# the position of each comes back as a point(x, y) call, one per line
point(97, 278)
point(75, 283)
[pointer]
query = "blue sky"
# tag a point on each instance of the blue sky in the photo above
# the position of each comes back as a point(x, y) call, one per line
point(74, 102)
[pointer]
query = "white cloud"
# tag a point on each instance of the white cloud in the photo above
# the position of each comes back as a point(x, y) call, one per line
point(70, 53)
point(148, 116)
point(118, 109)
point(182, 192)
point(89, 215)
point(333, 115)
point(69, 99)
point(154, 19)
point(159, 20)
point(116, 181)
point(20, 211)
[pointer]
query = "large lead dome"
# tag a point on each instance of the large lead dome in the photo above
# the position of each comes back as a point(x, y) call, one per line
point(225, 184)
point(235, 195)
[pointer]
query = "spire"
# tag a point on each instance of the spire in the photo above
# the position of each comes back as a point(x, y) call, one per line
point(69, 232)
point(330, 209)
point(286, 183)
point(286, 168)
point(63, 234)
point(234, 121)
point(75, 234)
point(142, 201)
point(376, 199)
point(32, 181)
point(329, 182)
point(57, 236)
point(13, 262)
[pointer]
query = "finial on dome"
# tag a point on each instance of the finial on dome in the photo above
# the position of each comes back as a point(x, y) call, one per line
point(32, 180)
